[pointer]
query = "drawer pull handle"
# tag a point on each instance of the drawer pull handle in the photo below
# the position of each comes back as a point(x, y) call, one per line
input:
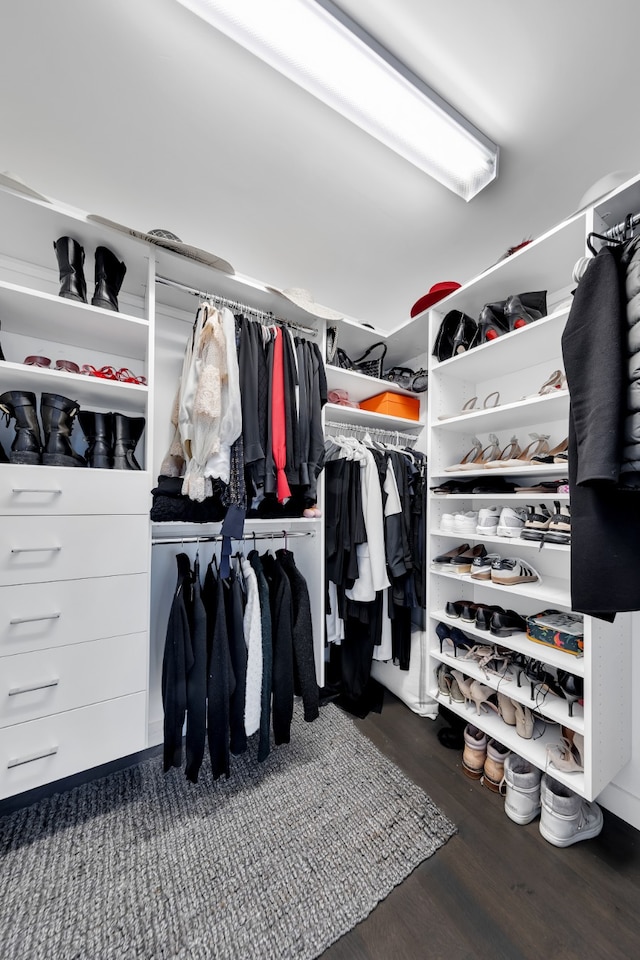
point(18, 761)
point(54, 491)
point(35, 549)
point(45, 616)
point(29, 688)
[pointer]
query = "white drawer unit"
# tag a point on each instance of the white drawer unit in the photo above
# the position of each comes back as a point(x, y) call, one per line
point(51, 681)
point(66, 612)
point(38, 549)
point(41, 751)
point(42, 491)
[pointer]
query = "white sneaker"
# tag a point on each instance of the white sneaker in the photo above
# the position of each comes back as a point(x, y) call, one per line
point(446, 523)
point(566, 818)
point(511, 522)
point(465, 522)
point(488, 521)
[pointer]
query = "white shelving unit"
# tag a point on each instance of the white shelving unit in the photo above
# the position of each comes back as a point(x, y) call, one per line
point(517, 364)
point(74, 553)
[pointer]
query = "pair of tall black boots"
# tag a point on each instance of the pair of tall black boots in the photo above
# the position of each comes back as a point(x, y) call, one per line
point(109, 274)
point(111, 437)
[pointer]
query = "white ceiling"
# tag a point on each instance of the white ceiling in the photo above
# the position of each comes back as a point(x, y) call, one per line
point(137, 110)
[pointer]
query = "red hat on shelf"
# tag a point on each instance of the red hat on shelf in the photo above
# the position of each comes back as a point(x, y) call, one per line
point(437, 292)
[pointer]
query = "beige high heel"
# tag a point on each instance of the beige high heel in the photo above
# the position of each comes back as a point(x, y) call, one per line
point(469, 458)
point(464, 684)
point(567, 756)
point(490, 452)
point(480, 694)
point(510, 452)
point(538, 447)
point(507, 709)
point(524, 721)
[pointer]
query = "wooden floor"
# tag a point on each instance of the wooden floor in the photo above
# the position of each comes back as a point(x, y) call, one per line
point(496, 890)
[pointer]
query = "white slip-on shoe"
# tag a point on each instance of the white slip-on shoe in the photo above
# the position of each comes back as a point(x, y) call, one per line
point(465, 523)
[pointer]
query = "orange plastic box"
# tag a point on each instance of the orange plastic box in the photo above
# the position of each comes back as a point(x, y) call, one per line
point(393, 404)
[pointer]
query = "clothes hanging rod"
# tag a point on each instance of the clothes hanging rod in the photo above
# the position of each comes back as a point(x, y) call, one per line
point(617, 231)
point(236, 305)
point(378, 431)
point(217, 537)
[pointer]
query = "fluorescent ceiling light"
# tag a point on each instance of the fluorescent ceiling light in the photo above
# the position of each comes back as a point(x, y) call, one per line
point(317, 46)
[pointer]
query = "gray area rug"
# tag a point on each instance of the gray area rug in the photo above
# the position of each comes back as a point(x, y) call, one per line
point(276, 862)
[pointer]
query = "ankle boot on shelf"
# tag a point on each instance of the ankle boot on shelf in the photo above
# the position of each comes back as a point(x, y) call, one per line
point(71, 266)
point(57, 414)
point(109, 276)
point(474, 753)
point(566, 818)
point(98, 431)
point(27, 445)
point(127, 431)
point(521, 789)
point(493, 774)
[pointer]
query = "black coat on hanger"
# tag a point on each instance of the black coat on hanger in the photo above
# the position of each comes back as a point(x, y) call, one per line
point(605, 520)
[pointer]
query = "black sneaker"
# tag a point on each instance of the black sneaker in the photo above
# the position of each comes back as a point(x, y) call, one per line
point(559, 530)
point(537, 523)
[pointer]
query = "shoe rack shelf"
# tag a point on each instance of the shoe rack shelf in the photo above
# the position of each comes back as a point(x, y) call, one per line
point(552, 708)
point(480, 500)
point(551, 591)
point(88, 391)
point(507, 349)
point(533, 750)
point(359, 386)
point(529, 412)
point(505, 542)
point(517, 365)
point(518, 642)
point(33, 313)
point(369, 418)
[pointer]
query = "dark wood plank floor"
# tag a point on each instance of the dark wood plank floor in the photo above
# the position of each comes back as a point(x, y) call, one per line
point(496, 890)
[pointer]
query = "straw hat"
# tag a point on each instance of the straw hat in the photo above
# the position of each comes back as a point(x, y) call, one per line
point(304, 300)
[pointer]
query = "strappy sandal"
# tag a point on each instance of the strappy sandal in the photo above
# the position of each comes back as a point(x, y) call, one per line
point(470, 406)
point(490, 452)
point(538, 447)
point(510, 452)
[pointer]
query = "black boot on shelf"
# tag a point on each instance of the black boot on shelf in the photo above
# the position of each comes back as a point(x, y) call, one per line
point(3, 457)
point(27, 445)
point(98, 431)
point(127, 431)
point(109, 276)
point(57, 415)
point(2, 356)
point(71, 266)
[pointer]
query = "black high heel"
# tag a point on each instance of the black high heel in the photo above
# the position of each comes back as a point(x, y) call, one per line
point(456, 637)
point(491, 322)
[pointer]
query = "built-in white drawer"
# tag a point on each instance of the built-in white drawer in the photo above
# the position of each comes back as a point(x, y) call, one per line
point(48, 749)
point(34, 617)
point(37, 549)
point(41, 491)
point(50, 681)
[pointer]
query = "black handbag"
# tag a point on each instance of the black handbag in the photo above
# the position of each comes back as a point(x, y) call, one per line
point(370, 367)
point(457, 333)
point(402, 376)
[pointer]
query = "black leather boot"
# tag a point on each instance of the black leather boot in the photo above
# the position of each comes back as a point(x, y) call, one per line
point(98, 430)
point(70, 264)
point(57, 415)
point(21, 406)
point(127, 432)
point(109, 276)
